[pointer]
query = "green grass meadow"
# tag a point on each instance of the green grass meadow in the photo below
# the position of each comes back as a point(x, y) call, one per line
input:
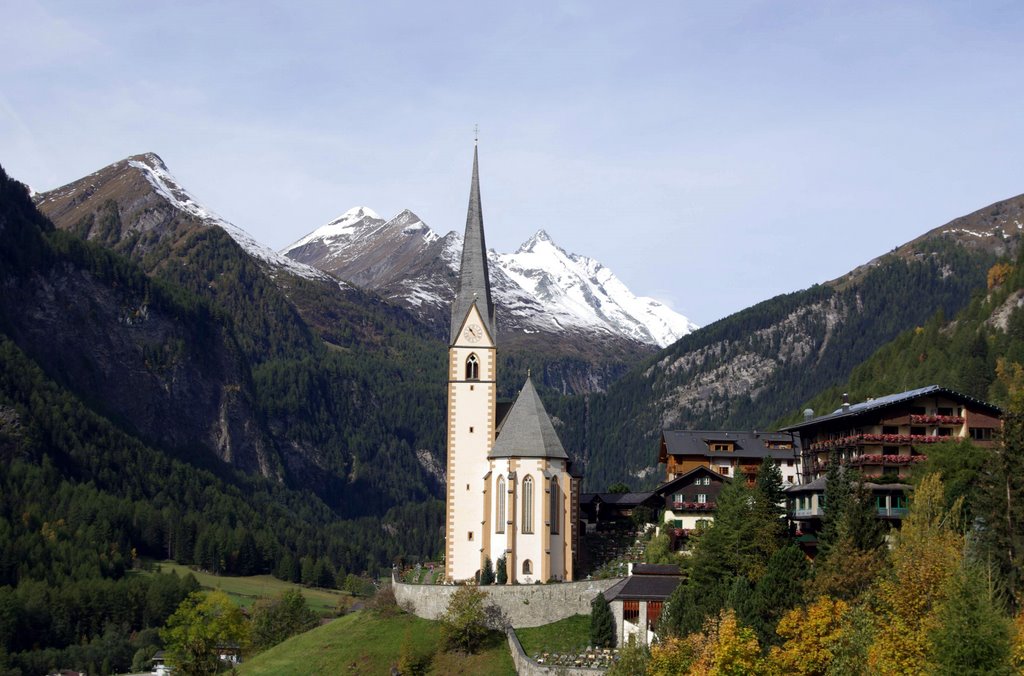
point(246, 590)
point(364, 643)
point(565, 636)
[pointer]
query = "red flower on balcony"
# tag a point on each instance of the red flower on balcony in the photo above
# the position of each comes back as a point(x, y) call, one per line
point(694, 506)
point(859, 439)
point(937, 419)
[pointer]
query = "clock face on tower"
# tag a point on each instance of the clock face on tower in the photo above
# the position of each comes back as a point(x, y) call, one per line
point(473, 333)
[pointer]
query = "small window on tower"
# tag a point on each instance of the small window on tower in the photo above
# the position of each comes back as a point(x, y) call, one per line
point(469, 536)
point(470, 429)
point(472, 367)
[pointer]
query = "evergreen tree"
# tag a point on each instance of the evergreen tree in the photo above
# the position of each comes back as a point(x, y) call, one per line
point(308, 575)
point(276, 620)
point(487, 574)
point(860, 520)
point(769, 487)
point(836, 498)
point(602, 623)
point(729, 546)
point(779, 589)
point(324, 574)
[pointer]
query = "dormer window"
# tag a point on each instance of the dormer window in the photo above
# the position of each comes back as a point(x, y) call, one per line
point(720, 446)
point(472, 367)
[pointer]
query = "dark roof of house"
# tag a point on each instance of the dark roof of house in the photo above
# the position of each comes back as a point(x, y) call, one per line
point(746, 444)
point(682, 480)
point(655, 569)
point(474, 282)
point(620, 499)
point(527, 431)
point(818, 486)
point(644, 588)
point(892, 400)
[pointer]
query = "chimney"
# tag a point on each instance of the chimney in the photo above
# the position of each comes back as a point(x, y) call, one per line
point(846, 401)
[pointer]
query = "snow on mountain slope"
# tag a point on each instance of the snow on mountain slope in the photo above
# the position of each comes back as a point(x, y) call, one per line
point(539, 288)
point(590, 293)
point(156, 173)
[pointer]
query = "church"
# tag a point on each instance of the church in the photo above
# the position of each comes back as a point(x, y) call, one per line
point(510, 490)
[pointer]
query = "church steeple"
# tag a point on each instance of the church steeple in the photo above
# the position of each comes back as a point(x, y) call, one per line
point(474, 281)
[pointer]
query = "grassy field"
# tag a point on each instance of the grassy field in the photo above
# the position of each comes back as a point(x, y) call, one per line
point(246, 590)
point(565, 636)
point(363, 643)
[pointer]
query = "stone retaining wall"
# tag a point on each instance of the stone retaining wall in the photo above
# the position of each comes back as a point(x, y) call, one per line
point(527, 667)
point(525, 605)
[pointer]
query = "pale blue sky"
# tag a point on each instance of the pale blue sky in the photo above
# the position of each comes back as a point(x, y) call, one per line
point(711, 154)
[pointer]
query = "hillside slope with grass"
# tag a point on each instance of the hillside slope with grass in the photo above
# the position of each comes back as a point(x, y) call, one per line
point(366, 643)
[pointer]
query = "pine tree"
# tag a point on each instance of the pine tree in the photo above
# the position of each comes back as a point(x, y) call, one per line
point(501, 572)
point(779, 589)
point(602, 623)
point(487, 574)
point(836, 498)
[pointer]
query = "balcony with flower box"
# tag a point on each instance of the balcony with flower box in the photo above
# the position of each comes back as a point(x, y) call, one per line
point(693, 506)
point(868, 439)
point(883, 460)
point(936, 419)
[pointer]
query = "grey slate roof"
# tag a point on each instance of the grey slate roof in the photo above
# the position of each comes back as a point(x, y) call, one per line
point(474, 281)
point(527, 431)
point(889, 400)
point(621, 499)
point(747, 444)
point(644, 588)
point(818, 486)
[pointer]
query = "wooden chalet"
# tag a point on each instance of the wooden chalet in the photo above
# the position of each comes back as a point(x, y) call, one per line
point(729, 453)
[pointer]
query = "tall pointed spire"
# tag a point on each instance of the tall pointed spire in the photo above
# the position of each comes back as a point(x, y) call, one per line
point(474, 281)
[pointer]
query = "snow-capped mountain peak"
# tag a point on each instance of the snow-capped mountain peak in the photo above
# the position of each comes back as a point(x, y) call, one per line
point(356, 214)
point(539, 239)
point(164, 184)
point(580, 291)
point(540, 287)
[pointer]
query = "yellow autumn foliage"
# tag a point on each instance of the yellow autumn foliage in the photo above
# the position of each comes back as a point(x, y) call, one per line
point(927, 552)
point(1017, 654)
point(810, 633)
point(998, 273)
point(726, 648)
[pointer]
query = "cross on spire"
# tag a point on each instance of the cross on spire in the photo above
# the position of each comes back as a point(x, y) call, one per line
point(476, 134)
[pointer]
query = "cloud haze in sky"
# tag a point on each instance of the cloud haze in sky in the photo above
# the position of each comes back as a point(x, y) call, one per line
point(711, 154)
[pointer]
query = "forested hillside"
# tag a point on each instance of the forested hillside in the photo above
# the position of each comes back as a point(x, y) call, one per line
point(979, 352)
point(116, 391)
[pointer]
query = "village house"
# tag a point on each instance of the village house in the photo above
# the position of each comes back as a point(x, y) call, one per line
point(886, 436)
point(729, 453)
point(637, 601)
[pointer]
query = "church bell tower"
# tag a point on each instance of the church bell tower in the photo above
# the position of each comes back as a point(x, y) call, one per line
point(472, 392)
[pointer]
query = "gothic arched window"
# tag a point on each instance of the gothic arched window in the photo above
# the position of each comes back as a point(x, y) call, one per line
point(528, 504)
point(555, 500)
point(499, 506)
point(527, 567)
point(472, 368)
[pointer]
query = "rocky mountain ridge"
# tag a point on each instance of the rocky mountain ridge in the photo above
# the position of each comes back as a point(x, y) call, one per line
point(540, 288)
